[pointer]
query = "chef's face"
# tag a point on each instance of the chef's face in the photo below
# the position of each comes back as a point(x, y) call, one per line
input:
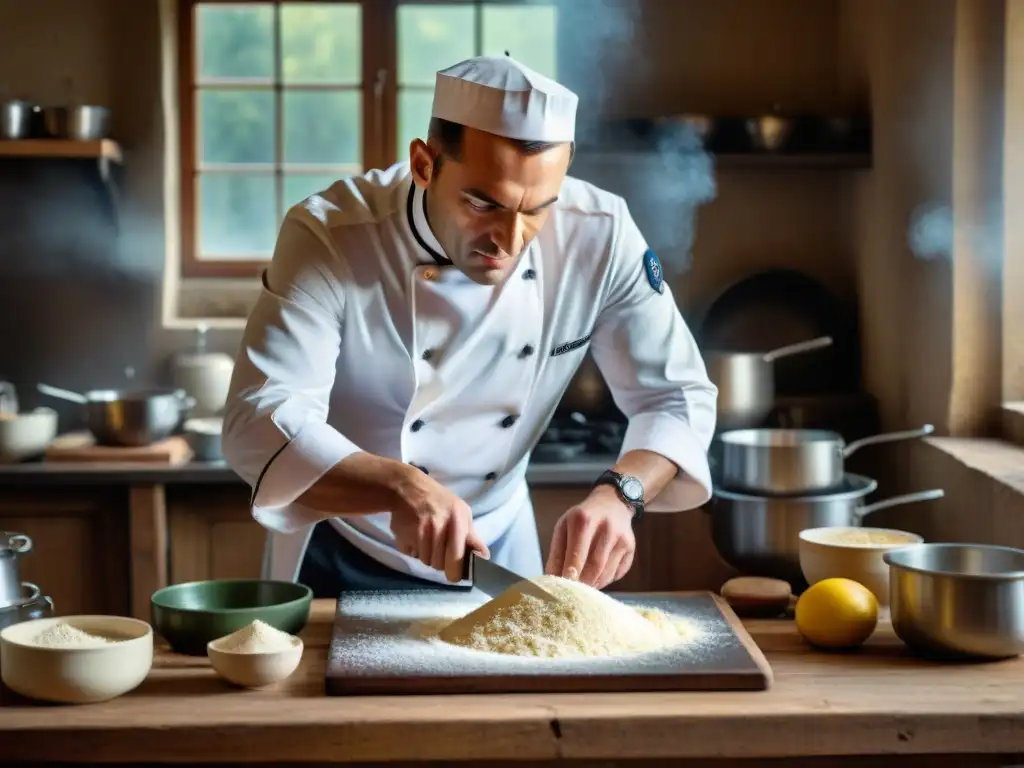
point(489, 202)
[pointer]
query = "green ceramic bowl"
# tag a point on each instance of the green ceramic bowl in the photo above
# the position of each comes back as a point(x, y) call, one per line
point(190, 615)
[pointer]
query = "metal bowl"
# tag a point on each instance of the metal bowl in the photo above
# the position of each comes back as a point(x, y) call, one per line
point(958, 599)
point(135, 417)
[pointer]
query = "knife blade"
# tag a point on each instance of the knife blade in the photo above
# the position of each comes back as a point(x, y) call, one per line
point(493, 579)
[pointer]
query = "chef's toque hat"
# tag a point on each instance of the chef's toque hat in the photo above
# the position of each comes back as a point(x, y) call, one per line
point(499, 95)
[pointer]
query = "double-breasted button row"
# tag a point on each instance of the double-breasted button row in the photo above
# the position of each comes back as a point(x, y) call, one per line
point(505, 423)
point(527, 351)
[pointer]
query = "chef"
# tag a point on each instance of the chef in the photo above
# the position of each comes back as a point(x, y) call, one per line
point(415, 330)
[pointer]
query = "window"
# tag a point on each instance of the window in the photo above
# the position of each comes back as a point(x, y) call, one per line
point(280, 99)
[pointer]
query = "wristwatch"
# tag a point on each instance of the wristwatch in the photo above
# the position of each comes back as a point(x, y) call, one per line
point(630, 489)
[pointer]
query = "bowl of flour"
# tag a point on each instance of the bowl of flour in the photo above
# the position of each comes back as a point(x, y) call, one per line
point(76, 659)
point(255, 655)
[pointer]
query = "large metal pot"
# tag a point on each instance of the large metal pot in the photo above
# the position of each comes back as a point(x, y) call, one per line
point(129, 417)
point(746, 382)
point(958, 599)
point(760, 536)
point(32, 604)
point(776, 462)
point(12, 547)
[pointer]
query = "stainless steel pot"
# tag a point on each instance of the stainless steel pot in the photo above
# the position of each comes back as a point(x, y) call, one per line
point(84, 122)
point(128, 417)
point(15, 119)
point(958, 599)
point(793, 461)
point(12, 547)
point(746, 382)
point(760, 536)
point(32, 605)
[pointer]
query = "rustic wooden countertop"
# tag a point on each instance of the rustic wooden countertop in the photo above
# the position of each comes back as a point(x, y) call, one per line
point(878, 701)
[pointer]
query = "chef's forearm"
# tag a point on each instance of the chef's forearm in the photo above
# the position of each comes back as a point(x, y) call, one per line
point(360, 484)
point(653, 470)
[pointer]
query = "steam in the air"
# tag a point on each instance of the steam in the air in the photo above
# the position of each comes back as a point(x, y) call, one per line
point(665, 181)
point(931, 231)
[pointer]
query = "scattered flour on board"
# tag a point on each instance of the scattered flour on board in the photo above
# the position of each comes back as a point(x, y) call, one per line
point(580, 622)
point(258, 637)
point(63, 635)
point(398, 633)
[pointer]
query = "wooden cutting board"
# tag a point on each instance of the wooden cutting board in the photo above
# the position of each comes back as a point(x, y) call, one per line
point(374, 651)
point(81, 447)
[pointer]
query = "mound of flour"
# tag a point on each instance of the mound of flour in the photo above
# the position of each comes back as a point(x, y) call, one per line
point(580, 622)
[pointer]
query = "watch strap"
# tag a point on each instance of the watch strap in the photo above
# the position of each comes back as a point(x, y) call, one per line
point(613, 478)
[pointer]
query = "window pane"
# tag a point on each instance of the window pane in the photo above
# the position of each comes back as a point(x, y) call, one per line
point(322, 127)
point(299, 186)
point(236, 126)
point(236, 215)
point(235, 41)
point(414, 109)
point(321, 43)
point(526, 32)
point(432, 37)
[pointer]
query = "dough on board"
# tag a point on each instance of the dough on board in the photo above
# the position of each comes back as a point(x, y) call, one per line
point(580, 622)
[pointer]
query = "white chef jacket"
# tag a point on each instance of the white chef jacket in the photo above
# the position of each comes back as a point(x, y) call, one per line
point(365, 338)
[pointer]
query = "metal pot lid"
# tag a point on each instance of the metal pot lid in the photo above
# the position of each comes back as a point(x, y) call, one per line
point(852, 487)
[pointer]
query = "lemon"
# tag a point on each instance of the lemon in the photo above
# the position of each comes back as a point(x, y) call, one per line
point(836, 613)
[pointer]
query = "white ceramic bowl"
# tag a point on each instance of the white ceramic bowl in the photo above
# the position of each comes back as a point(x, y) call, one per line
point(76, 675)
point(204, 437)
point(824, 554)
point(254, 670)
point(26, 435)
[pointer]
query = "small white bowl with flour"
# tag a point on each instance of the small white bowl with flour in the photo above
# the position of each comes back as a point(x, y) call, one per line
point(76, 659)
point(255, 655)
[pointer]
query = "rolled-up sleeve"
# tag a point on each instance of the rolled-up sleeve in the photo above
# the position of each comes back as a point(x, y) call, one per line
point(276, 436)
point(656, 374)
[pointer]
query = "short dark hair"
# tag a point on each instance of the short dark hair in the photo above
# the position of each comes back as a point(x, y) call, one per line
point(448, 135)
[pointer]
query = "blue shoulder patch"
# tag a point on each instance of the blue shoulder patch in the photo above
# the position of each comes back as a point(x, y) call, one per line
point(654, 274)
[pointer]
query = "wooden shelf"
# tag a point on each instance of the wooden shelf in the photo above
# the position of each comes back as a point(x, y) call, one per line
point(103, 155)
point(102, 149)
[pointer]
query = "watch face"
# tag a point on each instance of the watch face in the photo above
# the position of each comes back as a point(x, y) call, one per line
point(632, 489)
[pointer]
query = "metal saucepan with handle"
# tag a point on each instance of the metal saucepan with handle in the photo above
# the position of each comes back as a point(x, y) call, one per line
point(760, 536)
point(128, 417)
point(777, 462)
point(746, 381)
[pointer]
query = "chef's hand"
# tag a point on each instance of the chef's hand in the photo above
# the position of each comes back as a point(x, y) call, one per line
point(434, 525)
point(594, 541)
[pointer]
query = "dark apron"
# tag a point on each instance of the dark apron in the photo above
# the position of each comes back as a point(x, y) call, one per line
point(333, 565)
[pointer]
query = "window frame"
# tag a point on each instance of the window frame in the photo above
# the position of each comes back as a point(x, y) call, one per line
point(379, 119)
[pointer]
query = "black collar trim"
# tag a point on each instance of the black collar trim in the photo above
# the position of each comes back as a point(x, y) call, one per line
point(441, 260)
